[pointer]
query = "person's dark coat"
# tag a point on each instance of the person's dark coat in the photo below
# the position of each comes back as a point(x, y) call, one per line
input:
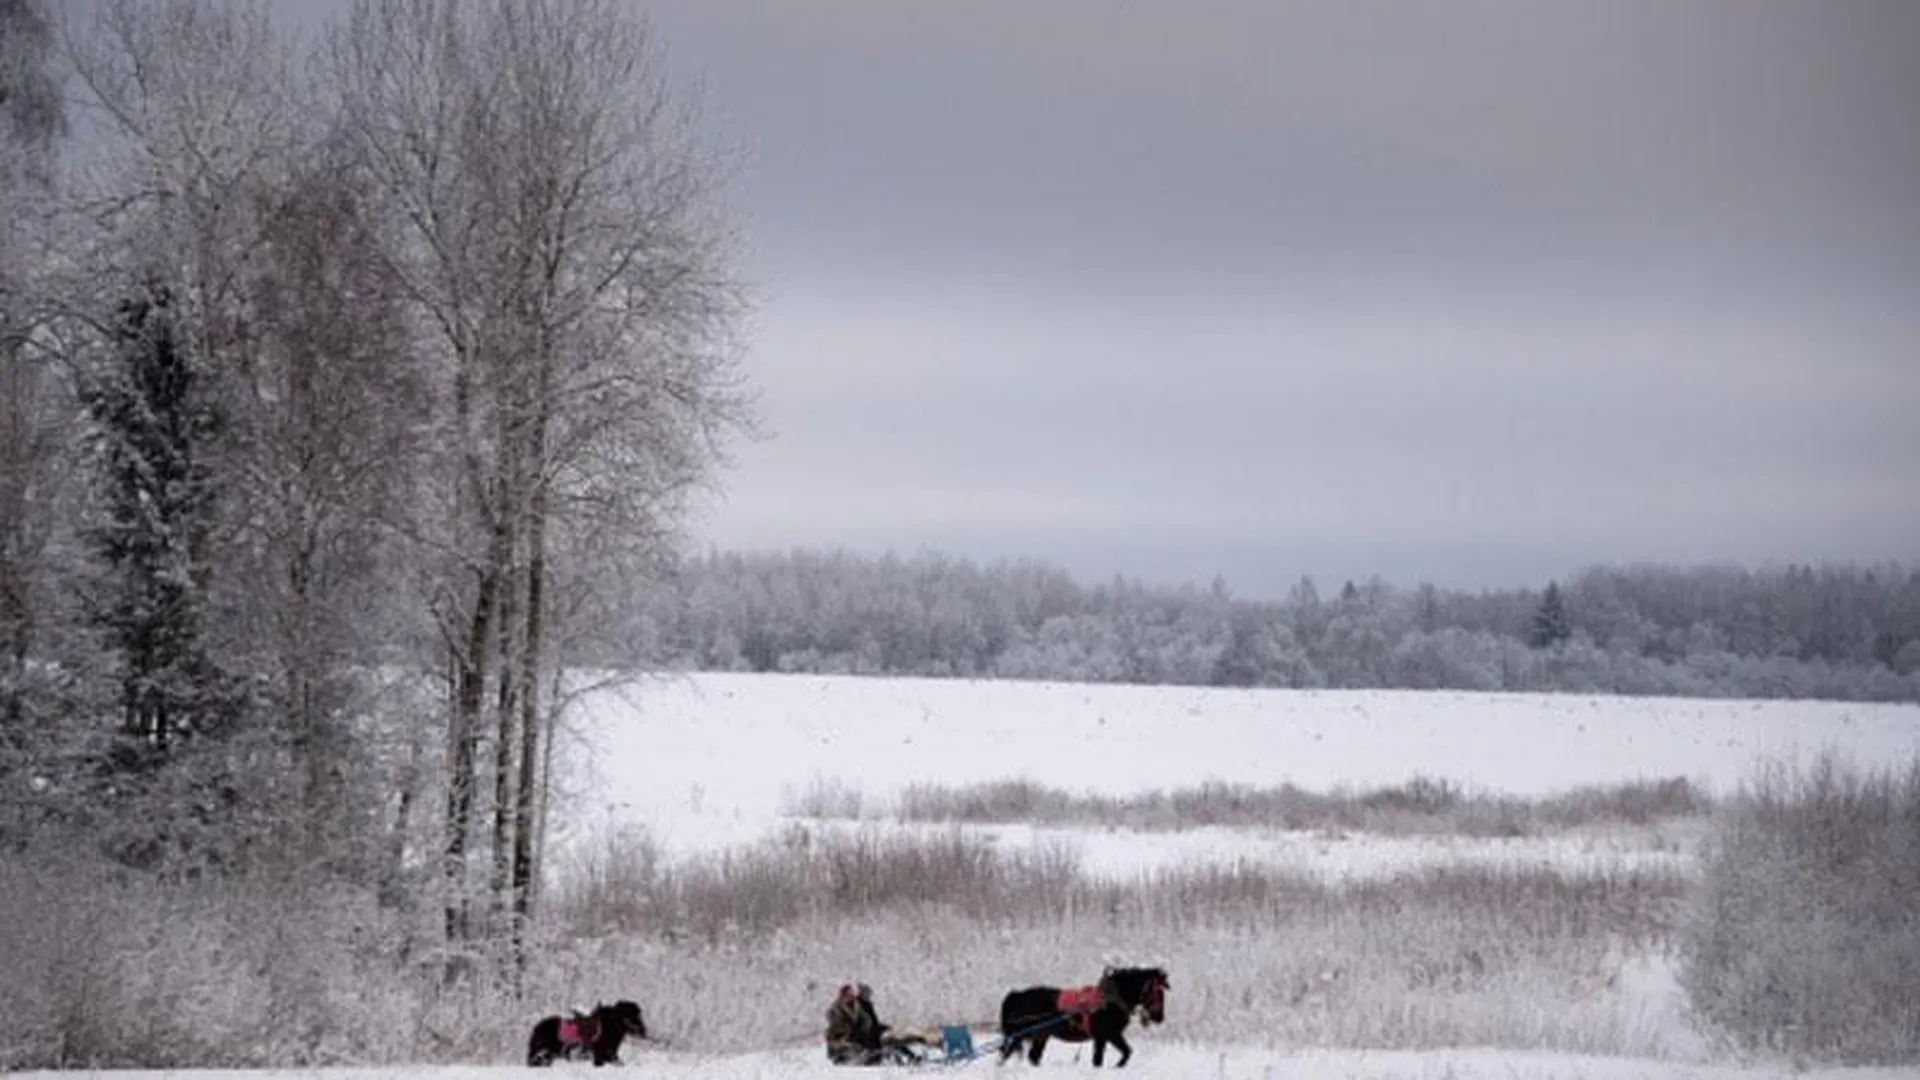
point(854, 1030)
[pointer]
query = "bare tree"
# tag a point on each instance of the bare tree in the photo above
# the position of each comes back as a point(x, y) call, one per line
point(31, 113)
point(31, 463)
point(564, 240)
point(196, 103)
point(325, 409)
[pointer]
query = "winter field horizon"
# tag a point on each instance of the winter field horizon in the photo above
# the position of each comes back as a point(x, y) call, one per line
point(644, 752)
point(1454, 907)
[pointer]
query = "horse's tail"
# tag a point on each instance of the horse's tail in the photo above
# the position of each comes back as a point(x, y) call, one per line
point(543, 1044)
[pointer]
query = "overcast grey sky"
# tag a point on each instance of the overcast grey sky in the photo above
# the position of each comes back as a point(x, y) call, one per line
point(1475, 293)
point(1469, 292)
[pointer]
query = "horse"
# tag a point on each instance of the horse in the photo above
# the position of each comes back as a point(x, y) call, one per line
point(597, 1034)
point(1100, 1012)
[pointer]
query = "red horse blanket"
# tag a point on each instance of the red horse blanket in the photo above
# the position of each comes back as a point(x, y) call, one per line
point(1081, 999)
point(578, 1032)
point(1080, 1003)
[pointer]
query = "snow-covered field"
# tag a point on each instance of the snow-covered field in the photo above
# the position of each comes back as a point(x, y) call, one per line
point(708, 761)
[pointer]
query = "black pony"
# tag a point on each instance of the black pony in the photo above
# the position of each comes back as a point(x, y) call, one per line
point(597, 1034)
point(1100, 1013)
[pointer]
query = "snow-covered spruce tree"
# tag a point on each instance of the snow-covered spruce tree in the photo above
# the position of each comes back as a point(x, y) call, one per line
point(1550, 625)
point(149, 427)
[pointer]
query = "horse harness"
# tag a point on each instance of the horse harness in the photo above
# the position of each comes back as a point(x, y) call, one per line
point(1080, 1004)
point(580, 1031)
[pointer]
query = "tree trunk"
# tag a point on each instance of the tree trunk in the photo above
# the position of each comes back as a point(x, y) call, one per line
point(543, 797)
point(395, 892)
point(310, 754)
point(471, 656)
point(16, 542)
point(504, 745)
point(469, 698)
point(299, 661)
point(531, 777)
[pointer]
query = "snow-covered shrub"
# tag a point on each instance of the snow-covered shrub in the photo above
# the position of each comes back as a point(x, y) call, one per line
point(1805, 935)
point(751, 892)
point(1635, 802)
point(826, 797)
point(612, 885)
point(111, 968)
point(60, 997)
point(1521, 957)
point(1020, 800)
point(742, 953)
point(1423, 806)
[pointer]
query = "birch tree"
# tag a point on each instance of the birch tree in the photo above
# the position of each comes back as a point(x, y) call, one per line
point(325, 408)
point(564, 242)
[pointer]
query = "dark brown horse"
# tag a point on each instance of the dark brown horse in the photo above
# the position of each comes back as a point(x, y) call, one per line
point(1100, 1013)
point(597, 1034)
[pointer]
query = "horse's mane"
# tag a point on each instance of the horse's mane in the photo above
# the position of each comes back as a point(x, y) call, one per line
point(1132, 984)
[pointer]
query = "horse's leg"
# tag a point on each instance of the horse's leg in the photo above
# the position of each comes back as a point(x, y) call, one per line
point(1008, 1048)
point(1039, 1047)
point(1099, 1049)
point(1119, 1041)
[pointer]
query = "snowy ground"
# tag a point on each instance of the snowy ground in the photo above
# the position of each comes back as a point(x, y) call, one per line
point(708, 761)
point(711, 760)
point(1160, 1062)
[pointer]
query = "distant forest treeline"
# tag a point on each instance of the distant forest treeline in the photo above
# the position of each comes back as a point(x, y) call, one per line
point(1836, 631)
